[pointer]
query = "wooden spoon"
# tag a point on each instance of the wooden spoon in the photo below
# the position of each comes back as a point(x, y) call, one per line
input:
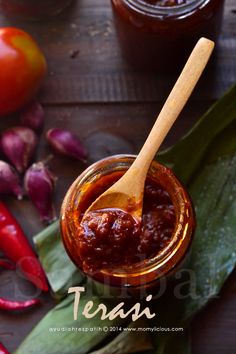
point(127, 193)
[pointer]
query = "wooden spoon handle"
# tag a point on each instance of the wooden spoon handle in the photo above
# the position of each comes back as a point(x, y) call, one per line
point(175, 102)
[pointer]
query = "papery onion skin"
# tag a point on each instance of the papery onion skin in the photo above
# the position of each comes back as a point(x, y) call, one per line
point(19, 145)
point(32, 116)
point(9, 180)
point(66, 143)
point(39, 184)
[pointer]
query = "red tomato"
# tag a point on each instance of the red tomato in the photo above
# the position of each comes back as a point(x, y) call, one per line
point(22, 69)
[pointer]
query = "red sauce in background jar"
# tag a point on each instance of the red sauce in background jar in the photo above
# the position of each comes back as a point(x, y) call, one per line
point(161, 34)
point(33, 10)
point(167, 2)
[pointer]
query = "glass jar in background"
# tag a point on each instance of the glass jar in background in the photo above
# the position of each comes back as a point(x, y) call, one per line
point(32, 10)
point(161, 37)
point(145, 275)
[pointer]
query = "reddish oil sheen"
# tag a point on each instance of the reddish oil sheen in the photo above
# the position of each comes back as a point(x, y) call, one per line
point(112, 238)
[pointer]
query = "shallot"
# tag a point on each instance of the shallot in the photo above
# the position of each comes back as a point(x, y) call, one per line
point(1, 153)
point(66, 143)
point(19, 145)
point(39, 184)
point(9, 180)
point(33, 116)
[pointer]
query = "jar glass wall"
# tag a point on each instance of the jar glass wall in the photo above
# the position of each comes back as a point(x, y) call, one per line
point(146, 273)
point(32, 10)
point(154, 36)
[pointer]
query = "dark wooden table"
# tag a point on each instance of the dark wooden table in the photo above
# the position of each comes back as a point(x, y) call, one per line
point(90, 90)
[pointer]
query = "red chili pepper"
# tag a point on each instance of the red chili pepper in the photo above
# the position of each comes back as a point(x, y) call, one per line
point(3, 350)
point(7, 265)
point(17, 305)
point(15, 246)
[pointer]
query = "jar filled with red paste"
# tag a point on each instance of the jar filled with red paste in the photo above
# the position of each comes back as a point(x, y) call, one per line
point(161, 33)
point(109, 247)
point(32, 10)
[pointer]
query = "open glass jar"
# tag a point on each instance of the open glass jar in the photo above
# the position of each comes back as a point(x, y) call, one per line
point(146, 273)
point(33, 10)
point(155, 36)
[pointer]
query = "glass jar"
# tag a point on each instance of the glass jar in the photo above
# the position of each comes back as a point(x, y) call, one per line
point(154, 36)
point(32, 10)
point(146, 273)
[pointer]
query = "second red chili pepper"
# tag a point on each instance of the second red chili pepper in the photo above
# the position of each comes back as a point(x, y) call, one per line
point(15, 246)
point(17, 305)
point(3, 350)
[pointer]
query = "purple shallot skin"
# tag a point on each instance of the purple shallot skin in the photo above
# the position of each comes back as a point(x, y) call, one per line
point(66, 143)
point(39, 184)
point(32, 116)
point(19, 145)
point(9, 180)
point(1, 149)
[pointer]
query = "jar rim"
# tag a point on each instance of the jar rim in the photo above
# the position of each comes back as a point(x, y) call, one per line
point(157, 263)
point(155, 10)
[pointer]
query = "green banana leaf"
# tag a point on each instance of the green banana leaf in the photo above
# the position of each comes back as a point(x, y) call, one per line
point(61, 272)
point(129, 341)
point(186, 156)
point(214, 248)
point(58, 333)
point(205, 160)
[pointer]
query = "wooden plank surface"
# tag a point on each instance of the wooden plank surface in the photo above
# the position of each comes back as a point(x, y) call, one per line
point(97, 95)
point(98, 73)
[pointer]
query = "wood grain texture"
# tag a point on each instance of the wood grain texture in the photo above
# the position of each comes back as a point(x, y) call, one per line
point(91, 90)
point(98, 74)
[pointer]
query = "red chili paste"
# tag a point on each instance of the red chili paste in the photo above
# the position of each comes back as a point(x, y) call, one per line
point(113, 238)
